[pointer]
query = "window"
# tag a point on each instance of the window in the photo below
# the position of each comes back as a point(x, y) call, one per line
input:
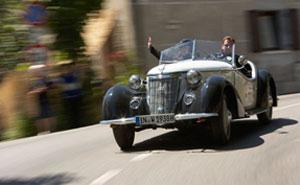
point(274, 30)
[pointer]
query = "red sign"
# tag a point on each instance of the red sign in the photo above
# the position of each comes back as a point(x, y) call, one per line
point(36, 54)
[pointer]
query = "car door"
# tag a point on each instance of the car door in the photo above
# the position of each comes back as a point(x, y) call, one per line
point(247, 86)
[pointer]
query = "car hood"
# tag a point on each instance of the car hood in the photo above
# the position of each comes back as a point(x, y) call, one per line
point(184, 66)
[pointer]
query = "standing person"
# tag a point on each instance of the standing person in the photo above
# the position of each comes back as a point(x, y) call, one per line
point(71, 94)
point(40, 88)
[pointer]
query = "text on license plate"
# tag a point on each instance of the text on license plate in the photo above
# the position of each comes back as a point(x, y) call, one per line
point(155, 119)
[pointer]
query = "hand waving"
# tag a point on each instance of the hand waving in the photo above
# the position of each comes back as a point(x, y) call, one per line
point(149, 42)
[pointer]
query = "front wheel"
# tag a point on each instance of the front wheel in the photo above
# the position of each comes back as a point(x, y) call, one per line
point(221, 126)
point(124, 136)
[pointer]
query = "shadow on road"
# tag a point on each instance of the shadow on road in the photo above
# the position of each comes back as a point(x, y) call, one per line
point(42, 180)
point(245, 134)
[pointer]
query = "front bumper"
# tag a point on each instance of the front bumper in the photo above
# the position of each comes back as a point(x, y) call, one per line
point(177, 117)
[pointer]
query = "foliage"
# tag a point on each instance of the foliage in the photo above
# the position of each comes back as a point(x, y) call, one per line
point(67, 20)
point(91, 101)
point(13, 34)
point(23, 127)
point(58, 110)
point(130, 67)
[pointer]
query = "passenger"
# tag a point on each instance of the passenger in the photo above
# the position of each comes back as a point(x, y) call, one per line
point(156, 52)
point(185, 52)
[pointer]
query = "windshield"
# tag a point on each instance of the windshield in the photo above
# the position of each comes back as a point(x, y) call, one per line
point(179, 52)
point(196, 50)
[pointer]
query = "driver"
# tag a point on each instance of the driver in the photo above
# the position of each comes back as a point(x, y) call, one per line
point(227, 45)
point(226, 50)
point(226, 53)
point(157, 53)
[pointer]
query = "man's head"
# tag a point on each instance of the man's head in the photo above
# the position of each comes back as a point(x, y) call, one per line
point(185, 49)
point(227, 45)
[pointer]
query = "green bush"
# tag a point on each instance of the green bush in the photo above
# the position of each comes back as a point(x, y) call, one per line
point(131, 65)
point(23, 127)
point(91, 99)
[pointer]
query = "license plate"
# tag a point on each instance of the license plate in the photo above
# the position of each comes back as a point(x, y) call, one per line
point(158, 119)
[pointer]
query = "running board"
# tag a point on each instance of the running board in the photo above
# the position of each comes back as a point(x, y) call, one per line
point(255, 111)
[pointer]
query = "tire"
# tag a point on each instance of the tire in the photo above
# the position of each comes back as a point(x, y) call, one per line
point(221, 126)
point(266, 117)
point(124, 136)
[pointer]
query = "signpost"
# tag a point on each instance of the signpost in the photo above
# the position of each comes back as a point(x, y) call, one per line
point(36, 54)
point(36, 16)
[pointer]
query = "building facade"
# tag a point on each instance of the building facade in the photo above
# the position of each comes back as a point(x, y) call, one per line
point(266, 31)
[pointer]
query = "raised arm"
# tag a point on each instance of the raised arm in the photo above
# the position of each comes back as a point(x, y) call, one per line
point(153, 50)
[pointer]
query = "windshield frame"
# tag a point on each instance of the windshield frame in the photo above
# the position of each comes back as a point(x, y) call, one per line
point(195, 43)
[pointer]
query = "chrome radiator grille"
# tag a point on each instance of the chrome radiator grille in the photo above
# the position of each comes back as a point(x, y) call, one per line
point(162, 94)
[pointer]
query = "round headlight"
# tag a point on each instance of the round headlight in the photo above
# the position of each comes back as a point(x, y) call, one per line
point(135, 103)
point(135, 82)
point(193, 77)
point(189, 98)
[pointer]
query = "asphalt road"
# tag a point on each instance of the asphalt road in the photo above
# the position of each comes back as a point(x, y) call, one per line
point(257, 155)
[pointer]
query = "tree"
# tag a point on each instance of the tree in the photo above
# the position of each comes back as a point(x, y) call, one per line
point(67, 21)
point(13, 34)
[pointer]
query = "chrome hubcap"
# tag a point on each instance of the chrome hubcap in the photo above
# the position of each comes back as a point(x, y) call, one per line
point(229, 117)
point(227, 122)
point(270, 101)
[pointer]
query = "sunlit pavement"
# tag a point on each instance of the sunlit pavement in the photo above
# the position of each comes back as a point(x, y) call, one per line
point(263, 155)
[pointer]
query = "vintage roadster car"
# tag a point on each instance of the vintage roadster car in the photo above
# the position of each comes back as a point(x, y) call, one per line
point(191, 86)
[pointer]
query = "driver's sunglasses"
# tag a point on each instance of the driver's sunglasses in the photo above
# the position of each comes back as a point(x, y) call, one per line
point(227, 45)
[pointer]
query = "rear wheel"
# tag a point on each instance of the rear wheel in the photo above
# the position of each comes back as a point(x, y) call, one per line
point(266, 117)
point(221, 126)
point(124, 136)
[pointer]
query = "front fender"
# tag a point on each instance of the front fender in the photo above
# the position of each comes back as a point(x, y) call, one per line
point(208, 97)
point(116, 102)
point(211, 93)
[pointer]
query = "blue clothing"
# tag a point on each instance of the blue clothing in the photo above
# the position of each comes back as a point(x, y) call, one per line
point(71, 85)
point(72, 99)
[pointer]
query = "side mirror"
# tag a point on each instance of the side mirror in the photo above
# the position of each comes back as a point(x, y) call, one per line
point(242, 60)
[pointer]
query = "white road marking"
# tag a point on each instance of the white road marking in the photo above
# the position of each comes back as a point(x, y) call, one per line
point(111, 173)
point(140, 157)
point(285, 107)
point(105, 177)
point(282, 97)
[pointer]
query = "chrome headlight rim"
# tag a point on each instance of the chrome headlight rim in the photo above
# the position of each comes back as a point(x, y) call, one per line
point(135, 103)
point(135, 82)
point(189, 98)
point(193, 77)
